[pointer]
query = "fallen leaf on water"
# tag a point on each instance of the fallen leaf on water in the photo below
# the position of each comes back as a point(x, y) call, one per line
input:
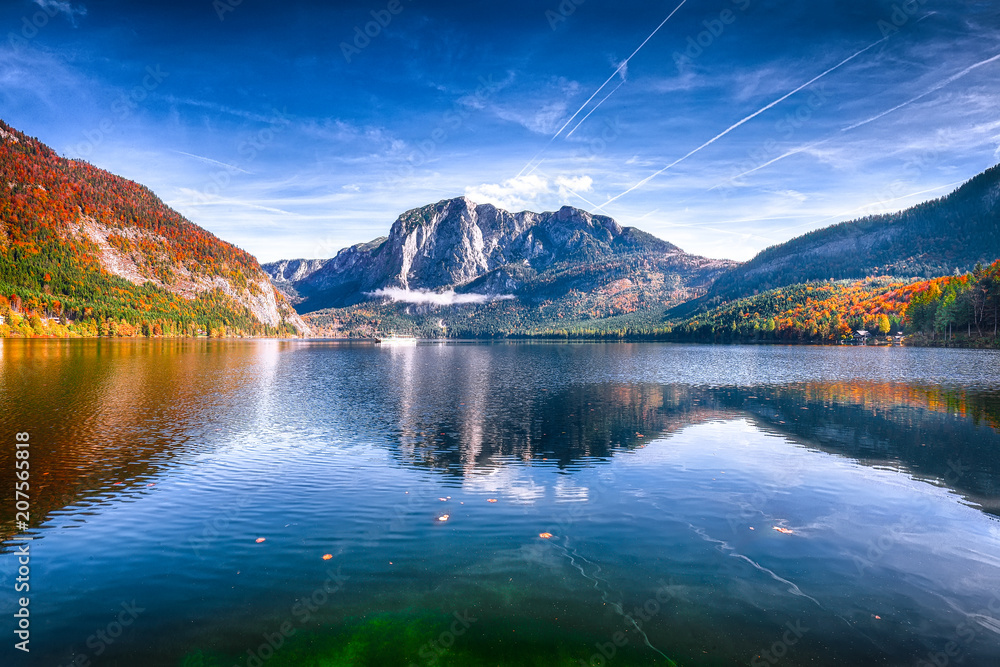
point(545, 536)
point(327, 556)
point(491, 500)
point(444, 517)
point(260, 539)
point(785, 531)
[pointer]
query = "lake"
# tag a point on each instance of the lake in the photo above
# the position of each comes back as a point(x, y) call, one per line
point(220, 503)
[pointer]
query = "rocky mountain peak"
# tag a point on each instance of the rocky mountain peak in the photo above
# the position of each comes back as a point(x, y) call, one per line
point(454, 243)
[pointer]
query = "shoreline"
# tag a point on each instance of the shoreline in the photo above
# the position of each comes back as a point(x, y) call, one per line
point(916, 341)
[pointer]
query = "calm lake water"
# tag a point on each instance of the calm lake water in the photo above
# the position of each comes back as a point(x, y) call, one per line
point(606, 504)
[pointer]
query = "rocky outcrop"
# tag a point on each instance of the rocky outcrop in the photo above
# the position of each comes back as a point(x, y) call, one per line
point(292, 270)
point(259, 296)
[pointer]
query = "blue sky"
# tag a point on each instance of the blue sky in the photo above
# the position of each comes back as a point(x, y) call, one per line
point(285, 129)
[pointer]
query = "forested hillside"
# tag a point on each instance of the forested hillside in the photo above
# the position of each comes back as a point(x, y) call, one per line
point(85, 252)
point(932, 239)
point(947, 309)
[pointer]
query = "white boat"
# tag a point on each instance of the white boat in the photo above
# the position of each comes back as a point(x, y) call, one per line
point(393, 340)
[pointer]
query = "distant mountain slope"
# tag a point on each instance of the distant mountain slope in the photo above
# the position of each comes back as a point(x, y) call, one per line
point(933, 238)
point(84, 244)
point(485, 253)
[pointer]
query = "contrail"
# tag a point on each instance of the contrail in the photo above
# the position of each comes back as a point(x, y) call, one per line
point(939, 86)
point(211, 161)
point(874, 118)
point(794, 151)
point(620, 67)
point(570, 132)
point(799, 150)
point(596, 107)
point(748, 118)
point(591, 98)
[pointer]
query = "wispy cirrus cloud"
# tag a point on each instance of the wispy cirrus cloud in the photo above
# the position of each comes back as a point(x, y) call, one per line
point(54, 7)
point(541, 121)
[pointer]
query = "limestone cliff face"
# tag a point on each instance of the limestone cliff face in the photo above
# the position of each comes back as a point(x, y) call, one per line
point(259, 295)
point(291, 270)
point(456, 244)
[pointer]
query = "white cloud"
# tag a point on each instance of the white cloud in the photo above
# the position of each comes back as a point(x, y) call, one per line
point(514, 194)
point(448, 298)
point(530, 192)
point(53, 7)
point(622, 68)
point(573, 185)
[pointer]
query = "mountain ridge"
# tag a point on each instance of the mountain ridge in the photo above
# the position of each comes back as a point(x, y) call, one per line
point(456, 244)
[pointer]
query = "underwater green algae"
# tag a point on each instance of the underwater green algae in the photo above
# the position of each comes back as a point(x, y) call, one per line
point(434, 640)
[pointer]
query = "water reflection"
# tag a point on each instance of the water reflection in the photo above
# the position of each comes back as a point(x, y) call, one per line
point(574, 426)
point(348, 450)
point(108, 417)
point(459, 421)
